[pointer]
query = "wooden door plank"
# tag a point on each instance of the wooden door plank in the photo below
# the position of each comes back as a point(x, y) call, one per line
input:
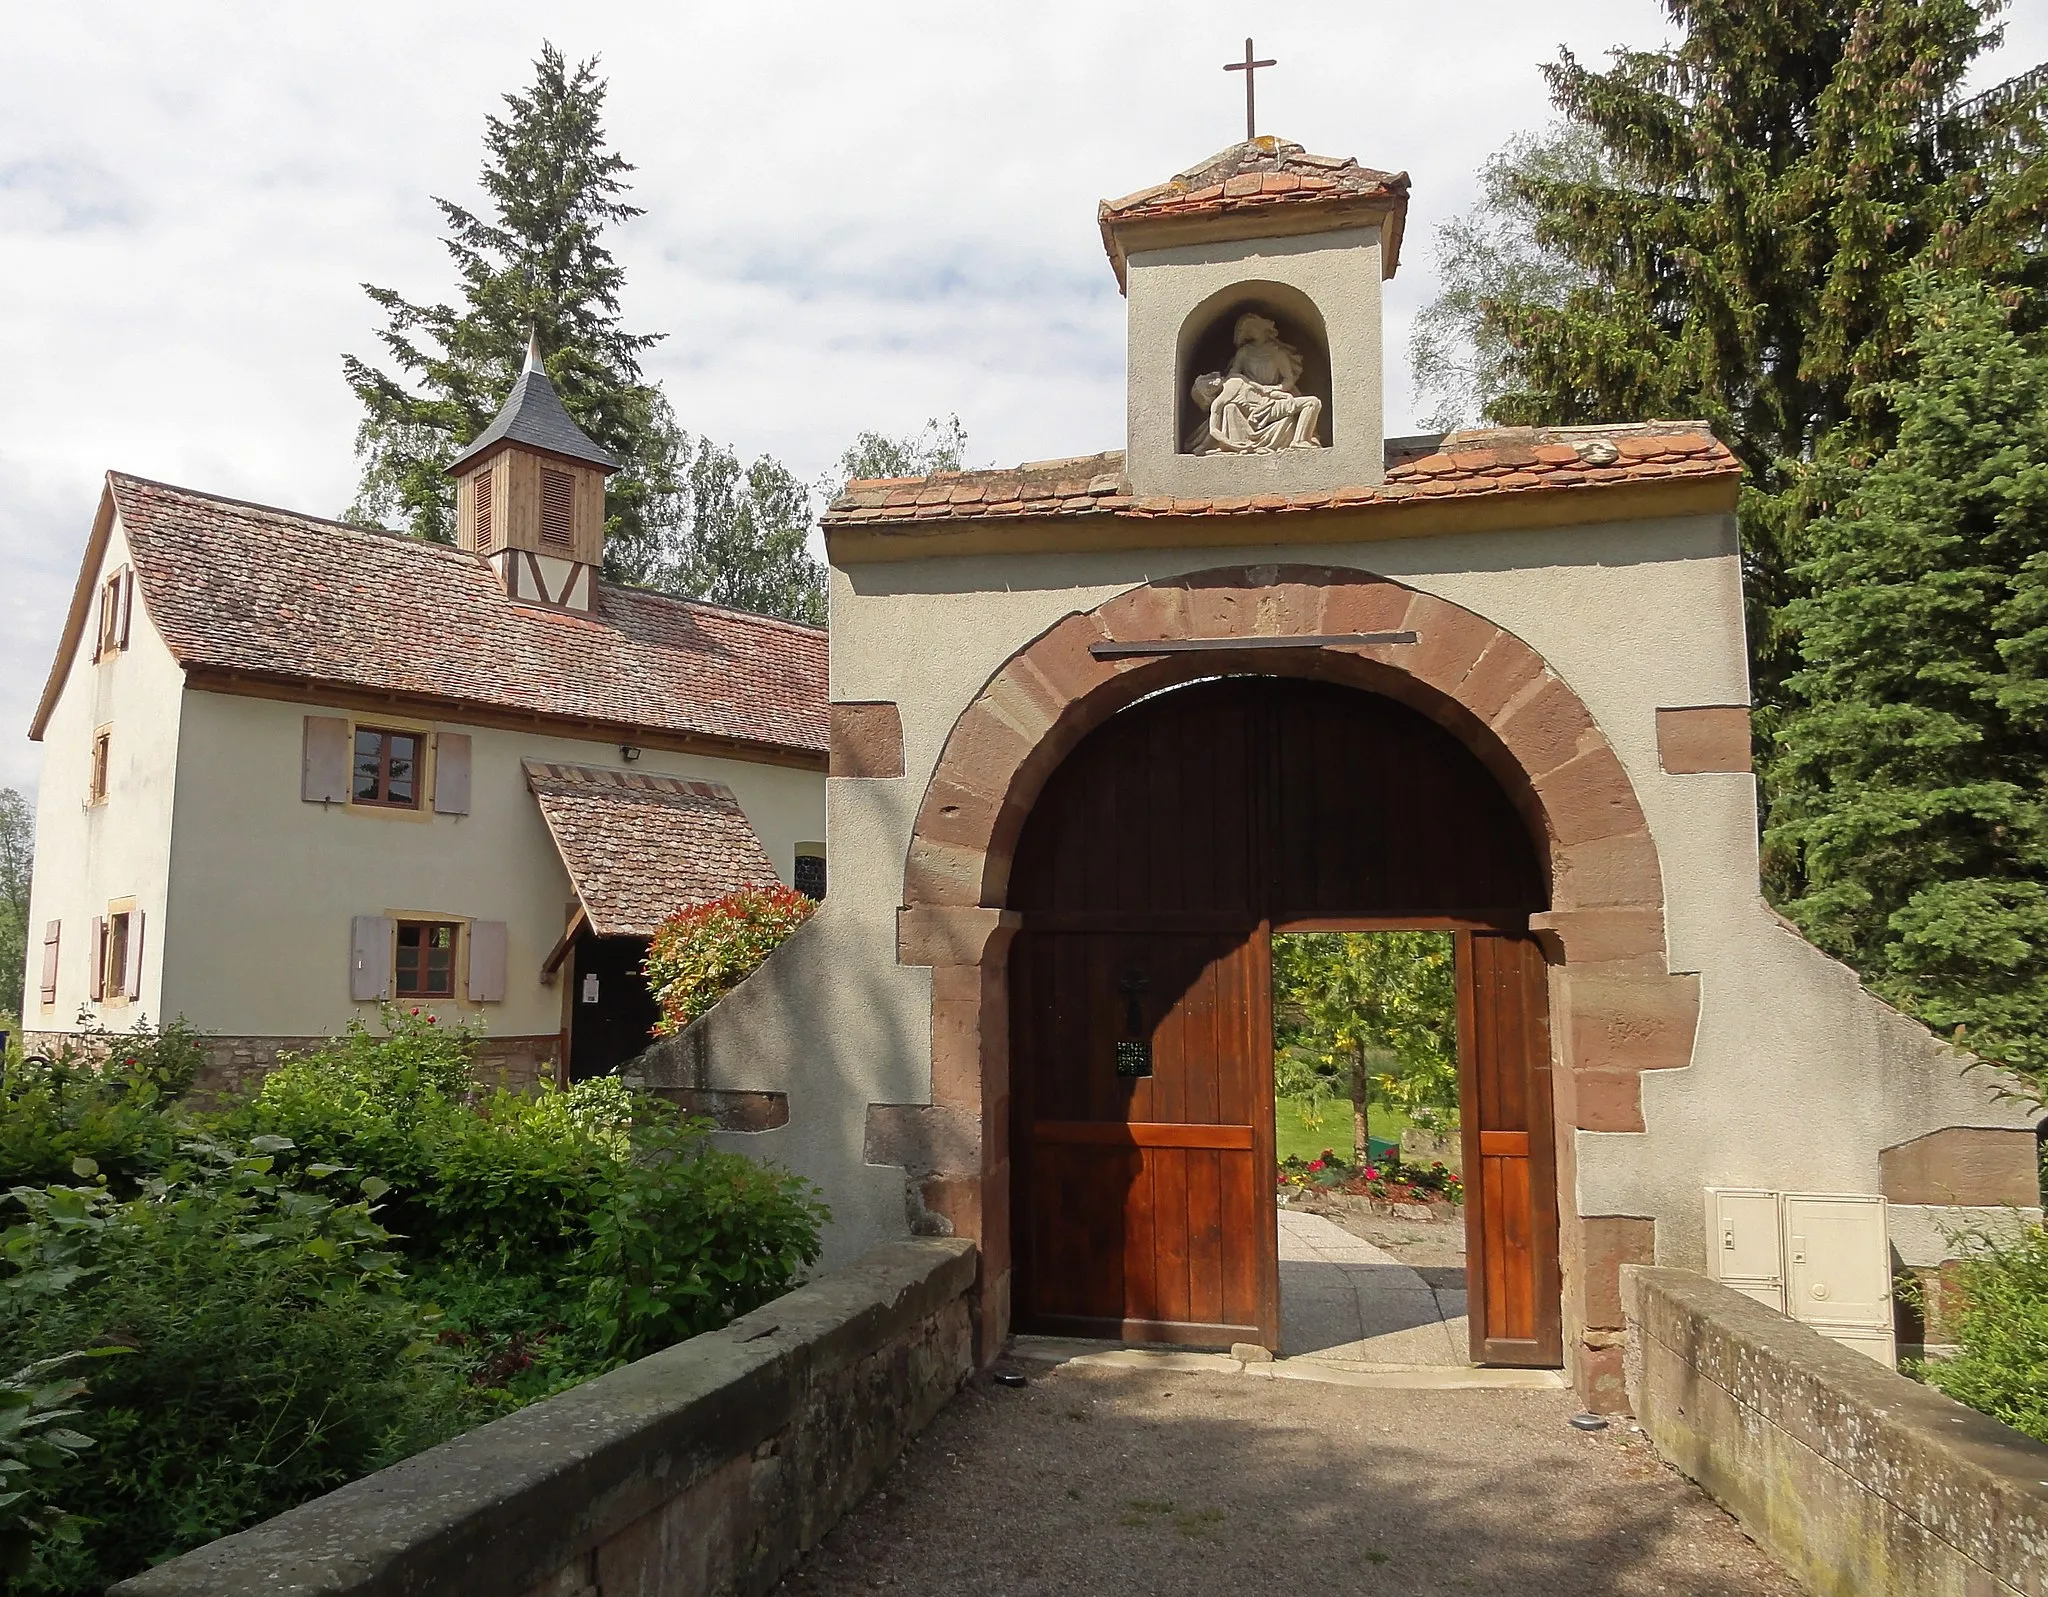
point(1142, 1134)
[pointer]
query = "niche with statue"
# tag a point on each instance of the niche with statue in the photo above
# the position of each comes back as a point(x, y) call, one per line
point(1254, 374)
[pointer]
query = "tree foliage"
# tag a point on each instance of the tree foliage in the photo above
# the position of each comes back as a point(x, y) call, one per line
point(1348, 1003)
point(938, 446)
point(17, 863)
point(1724, 228)
point(1908, 812)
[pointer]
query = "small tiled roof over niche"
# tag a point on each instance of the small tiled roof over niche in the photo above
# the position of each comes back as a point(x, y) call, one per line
point(1263, 175)
point(638, 847)
point(1496, 461)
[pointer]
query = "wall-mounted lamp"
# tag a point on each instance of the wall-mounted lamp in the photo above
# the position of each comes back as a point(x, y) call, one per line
point(628, 753)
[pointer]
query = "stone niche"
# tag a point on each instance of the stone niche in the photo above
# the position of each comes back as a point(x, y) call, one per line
point(1322, 293)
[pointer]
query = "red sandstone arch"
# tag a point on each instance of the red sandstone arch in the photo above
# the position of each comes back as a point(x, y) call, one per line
point(1619, 1010)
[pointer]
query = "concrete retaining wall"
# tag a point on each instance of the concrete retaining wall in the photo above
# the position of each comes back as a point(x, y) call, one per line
point(710, 1467)
point(1861, 1482)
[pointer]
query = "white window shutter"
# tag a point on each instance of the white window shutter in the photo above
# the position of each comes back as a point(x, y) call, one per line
point(52, 936)
point(487, 962)
point(451, 773)
point(369, 958)
point(127, 602)
point(99, 958)
point(131, 978)
point(323, 773)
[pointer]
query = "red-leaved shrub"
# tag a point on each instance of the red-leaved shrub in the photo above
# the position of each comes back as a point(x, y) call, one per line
point(701, 953)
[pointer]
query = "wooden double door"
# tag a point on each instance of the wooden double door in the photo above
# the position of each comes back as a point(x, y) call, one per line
point(1159, 863)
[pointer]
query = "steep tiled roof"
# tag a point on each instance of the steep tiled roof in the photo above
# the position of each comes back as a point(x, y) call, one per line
point(533, 413)
point(639, 847)
point(1262, 175)
point(268, 593)
point(1498, 461)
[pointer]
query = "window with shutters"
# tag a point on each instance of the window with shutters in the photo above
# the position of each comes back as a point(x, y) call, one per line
point(114, 957)
point(425, 967)
point(386, 772)
point(102, 752)
point(480, 489)
point(113, 628)
point(557, 508)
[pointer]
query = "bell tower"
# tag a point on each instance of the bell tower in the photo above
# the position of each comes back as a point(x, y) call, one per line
point(1253, 282)
point(529, 495)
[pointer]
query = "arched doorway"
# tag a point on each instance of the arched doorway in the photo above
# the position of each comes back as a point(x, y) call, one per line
point(1150, 877)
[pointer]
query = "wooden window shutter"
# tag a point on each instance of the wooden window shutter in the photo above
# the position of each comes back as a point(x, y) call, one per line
point(369, 958)
point(127, 603)
point(131, 978)
point(52, 936)
point(487, 962)
point(480, 491)
point(451, 773)
point(557, 508)
point(99, 958)
point(323, 773)
point(99, 626)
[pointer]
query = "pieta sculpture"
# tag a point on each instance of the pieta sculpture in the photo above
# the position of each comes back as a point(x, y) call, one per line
point(1256, 407)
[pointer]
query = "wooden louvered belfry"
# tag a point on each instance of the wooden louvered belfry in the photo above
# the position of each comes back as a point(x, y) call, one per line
point(529, 496)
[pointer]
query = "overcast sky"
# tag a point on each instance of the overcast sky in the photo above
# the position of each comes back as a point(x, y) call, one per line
point(858, 215)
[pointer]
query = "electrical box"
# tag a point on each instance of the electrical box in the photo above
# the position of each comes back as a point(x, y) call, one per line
point(1745, 1243)
point(1824, 1258)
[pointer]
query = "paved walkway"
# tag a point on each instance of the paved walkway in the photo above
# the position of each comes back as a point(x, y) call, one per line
point(1342, 1298)
point(1119, 1480)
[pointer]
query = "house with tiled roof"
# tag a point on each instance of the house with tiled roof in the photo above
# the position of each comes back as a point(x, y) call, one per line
point(294, 769)
point(1104, 728)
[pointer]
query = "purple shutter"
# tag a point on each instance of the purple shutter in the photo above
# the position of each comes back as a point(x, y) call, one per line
point(131, 978)
point(323, 773)
point(369, 958)
point(127, 601)
point(451, 773)
point(52, 936)
point(487, 962)
point(99, 958)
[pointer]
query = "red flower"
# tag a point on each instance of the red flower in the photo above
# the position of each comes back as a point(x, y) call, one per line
point(1316, 1164)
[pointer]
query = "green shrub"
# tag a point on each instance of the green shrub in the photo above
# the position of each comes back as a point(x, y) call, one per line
point(700, 954)
point(274, 1356)
point(101, 1095)
point(2001, 1321)
point(35, 1442)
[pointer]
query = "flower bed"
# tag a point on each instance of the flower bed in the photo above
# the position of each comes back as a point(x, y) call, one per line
point(1387, 1180)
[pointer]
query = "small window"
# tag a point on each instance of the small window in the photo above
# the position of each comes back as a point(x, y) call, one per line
point(810, 875)
point(102, 745)
point(557, 508)
point(114, 601)
point(114, 967)
point(480, 488)
point(387, 769)
point(426, 959)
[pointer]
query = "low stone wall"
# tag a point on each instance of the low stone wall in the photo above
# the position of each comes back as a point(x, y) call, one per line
point(710, 1467)
point(1861, 1482)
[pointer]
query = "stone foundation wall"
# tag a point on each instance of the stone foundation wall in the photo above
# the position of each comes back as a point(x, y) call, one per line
point(1861, 1482)
point(712, 1466)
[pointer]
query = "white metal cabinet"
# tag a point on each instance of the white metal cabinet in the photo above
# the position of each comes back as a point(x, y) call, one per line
point(1745, 1243)
point(1824, 1258)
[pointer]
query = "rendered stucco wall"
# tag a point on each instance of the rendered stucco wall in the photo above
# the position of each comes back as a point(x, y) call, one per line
point(1340, 274)
point(263, 885)
point(1798, 1077)
point(88, 856)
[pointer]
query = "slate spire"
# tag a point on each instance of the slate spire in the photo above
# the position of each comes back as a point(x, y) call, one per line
point(534, 415)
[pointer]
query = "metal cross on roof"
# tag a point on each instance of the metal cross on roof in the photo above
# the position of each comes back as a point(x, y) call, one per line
point(1250, 69)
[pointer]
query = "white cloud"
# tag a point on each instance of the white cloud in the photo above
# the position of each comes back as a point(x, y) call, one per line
point(859, 214)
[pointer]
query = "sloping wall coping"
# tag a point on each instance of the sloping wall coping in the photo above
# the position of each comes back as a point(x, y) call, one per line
point(1861, 1482)
point(709, 1466)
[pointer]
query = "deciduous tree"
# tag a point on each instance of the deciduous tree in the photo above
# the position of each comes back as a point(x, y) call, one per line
point(17, 861)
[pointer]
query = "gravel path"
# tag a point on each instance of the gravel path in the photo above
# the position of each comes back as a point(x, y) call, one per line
point(1141, 1483)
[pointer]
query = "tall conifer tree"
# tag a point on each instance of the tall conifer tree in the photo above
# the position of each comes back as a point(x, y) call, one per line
point(539, 263)
point(1909, 802)
point(1726, 226)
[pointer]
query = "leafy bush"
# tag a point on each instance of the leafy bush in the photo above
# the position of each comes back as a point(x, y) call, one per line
point(103, 1096)
point(2002, 1329)
point(700, 954)
point(34, 1441)
point(1390, 1178)
point(274, 1356)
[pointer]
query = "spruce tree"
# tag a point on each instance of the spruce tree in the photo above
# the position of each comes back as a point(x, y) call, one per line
point(538, 263)
point(1907, 800)
point(1725, 228)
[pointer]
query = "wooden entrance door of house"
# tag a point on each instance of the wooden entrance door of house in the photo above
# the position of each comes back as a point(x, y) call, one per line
point(1151, 876)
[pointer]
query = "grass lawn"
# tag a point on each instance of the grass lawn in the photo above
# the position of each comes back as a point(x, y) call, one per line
point(1292, 1137)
